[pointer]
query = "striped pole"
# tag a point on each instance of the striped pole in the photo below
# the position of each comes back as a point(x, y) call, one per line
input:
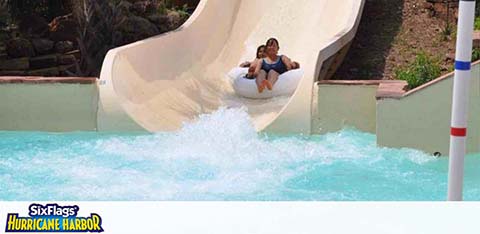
point(461, 85)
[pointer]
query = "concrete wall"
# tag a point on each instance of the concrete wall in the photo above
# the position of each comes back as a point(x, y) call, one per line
point(41, 104)
point(341, 105)
point(421, 118)
point(417, 119)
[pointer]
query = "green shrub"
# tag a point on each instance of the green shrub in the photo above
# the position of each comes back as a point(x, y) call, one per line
point(421, 71)
point(183, 11)
point(447, 32)
point(475, 54)
point(477, 23)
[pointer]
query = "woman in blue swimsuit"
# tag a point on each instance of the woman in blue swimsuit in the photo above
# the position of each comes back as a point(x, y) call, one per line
point(269, 68)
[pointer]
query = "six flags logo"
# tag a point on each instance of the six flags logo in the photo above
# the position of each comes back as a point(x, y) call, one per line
point(53, 218)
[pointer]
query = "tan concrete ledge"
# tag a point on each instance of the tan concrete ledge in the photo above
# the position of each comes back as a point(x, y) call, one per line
point(46, 80)
point(356, 82)
point(391, 89)
point(386, 88)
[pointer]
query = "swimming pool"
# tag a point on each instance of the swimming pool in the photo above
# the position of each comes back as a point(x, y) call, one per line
point(220, 157)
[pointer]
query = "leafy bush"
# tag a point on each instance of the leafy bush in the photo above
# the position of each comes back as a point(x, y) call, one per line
point(475, 54)
point(421, 71)
point(477, 23)
point(98, 22)
point(183, 11)
point(447, 32)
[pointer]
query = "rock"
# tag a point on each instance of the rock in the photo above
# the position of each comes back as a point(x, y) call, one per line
point(62, 47)
point(450, 56)
point(133, 29)
point(145, 7)
point(33, 25)
point(53, 71)
point(354, 70)
point(13, 73)
point(19, 47)
point(476, 39)
point(42, 46)
point(63, 28)
point(158, 19)
point(67, 70)
point(124, 7)
point(44, 61)
point(428, 6)
point(152, 7)
point(15, 64)
point(439, 9)
point(161, 21)
point(175, 19)
point(139, 8)
point(75, 53)
point(189, 3)
point(66, 59)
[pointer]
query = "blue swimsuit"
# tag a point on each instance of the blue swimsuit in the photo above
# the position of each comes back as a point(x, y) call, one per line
point(277, 66)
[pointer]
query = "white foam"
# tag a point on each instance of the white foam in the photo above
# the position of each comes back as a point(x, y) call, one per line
point(218, 157)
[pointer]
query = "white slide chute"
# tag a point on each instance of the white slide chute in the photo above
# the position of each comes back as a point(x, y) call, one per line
point(161, 82)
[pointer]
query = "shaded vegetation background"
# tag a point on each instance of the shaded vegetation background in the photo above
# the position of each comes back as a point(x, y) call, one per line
point(396, 39)
point(413, 40)
point(45, 8)
point(92, 26)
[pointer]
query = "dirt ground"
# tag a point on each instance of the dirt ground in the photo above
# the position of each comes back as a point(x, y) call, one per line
point(390, 35)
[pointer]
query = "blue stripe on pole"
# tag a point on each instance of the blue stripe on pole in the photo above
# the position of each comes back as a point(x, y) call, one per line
point(463, 66)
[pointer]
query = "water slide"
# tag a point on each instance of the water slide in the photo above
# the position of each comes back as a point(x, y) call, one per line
point(162, 82)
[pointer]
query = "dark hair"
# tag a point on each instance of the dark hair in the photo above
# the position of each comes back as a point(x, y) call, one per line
point(258, 50)
point(269, 41)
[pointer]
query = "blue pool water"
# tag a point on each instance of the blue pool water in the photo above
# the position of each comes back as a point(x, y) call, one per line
point(220, 157)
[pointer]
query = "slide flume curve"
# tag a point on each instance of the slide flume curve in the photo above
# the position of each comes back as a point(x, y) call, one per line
point(161, 82)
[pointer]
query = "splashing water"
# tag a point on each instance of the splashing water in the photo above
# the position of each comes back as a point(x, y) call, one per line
point(220, 157)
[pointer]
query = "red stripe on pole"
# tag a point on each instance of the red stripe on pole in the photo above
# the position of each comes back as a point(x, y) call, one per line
point(458, 132)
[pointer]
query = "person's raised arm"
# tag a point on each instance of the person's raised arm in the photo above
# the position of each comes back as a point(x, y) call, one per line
point(245, 64)
point(251, 68)
point(288, 62)
point(258, 67)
